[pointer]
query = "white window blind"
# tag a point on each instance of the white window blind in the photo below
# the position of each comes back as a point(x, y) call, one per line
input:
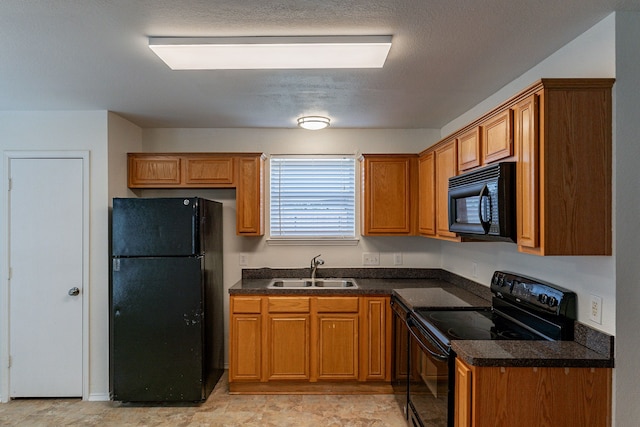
point(312, 197)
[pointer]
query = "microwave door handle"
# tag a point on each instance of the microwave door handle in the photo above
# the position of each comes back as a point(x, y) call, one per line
point(484, 196)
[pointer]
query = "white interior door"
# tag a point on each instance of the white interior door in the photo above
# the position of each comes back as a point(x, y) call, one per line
point(46, 215)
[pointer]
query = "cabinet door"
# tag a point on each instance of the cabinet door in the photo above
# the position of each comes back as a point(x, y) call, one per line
point(463, 406)
point(376, 352)
point(245, 347)
point(469, 149)
point(338, 346)
point(569, 397)
point(497, 137)
point(208, 171)
point(250, 196)
point(446, 163)
point(527, 170)
point(245, 338)
point(154, 171)
point(427, 194)
point(387, 195)
point(288, 352)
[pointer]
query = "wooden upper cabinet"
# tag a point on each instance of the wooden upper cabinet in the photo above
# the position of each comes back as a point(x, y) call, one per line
point(250, 196)
point(527, 182)
point(209, 171)
point(427, 194)
point(497, 137)
point(154, 171)
point(389, 191)
point(446, 167)
point(242, 171)
point(469, 144)
point(565, 201)
point(559, 133)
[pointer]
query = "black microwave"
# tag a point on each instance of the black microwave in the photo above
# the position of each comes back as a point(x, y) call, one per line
point(482, 203)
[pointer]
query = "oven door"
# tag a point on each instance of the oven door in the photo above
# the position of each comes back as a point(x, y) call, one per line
point(431, 379)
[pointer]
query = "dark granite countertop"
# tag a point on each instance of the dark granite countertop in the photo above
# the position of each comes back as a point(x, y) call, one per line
point(375, 281)
point(529, 354)
point(447, 296)
point(437, 288)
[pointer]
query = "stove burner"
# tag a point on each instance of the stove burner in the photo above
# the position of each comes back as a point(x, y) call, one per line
point(453, 316)
point(470, 333)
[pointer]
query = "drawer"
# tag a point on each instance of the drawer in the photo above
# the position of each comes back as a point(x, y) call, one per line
point(288, 304)
point(337, 304)
point(246, 305)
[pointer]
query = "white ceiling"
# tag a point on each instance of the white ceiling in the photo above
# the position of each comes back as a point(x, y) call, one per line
point(447, 55)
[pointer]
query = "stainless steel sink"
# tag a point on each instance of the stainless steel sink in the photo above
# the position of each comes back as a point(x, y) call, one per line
point(322, 283)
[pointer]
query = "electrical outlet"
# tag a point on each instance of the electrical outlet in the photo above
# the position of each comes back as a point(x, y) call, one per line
point(595, 310)
point(371, 258)
point(242, 260)
point(397, 258)
point(474, 269)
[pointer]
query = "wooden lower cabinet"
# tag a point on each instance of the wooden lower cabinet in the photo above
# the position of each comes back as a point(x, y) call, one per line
point(246, 365)
point(308, 339)
point(337, 347)
point(376, 340)
point(288, 346)
point(532, 397)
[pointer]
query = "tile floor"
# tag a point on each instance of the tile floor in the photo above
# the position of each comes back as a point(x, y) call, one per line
point(221, 409)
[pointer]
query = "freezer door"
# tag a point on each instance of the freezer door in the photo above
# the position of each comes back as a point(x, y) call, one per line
point(156, 227)
point(157, 337)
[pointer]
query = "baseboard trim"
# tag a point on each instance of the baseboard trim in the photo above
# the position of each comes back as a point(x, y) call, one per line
point(310, 388)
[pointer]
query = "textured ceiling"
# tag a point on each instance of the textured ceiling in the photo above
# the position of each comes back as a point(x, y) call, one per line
point(447, 55)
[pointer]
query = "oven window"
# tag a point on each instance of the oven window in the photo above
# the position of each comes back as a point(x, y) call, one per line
point(467, 209)
point(429, 387)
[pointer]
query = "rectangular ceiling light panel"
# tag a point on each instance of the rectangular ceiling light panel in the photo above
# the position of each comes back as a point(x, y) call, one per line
point(242, 53)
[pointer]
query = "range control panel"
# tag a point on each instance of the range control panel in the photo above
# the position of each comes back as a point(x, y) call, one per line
point(534, 293)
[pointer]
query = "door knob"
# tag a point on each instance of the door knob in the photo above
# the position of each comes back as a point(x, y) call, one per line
point(74, 292)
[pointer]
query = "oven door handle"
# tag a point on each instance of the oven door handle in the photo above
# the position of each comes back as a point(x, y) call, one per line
point(440, 356)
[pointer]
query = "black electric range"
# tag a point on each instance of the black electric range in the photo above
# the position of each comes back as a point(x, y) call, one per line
point(522, 309)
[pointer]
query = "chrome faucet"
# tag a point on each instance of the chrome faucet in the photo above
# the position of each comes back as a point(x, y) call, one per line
point(315, 262)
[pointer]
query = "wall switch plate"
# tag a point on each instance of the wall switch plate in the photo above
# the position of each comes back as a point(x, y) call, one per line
point(595, 309)
point(242, 260)
point(397, 258)
point(371, 258)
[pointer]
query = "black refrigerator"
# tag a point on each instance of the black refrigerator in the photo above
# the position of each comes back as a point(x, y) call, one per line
point(166, 320)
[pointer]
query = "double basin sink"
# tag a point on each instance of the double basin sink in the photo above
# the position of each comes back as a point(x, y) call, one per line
point(320, 283)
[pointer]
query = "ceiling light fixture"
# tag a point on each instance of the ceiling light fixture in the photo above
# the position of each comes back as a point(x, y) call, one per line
point(314, 122)
point(242, 53)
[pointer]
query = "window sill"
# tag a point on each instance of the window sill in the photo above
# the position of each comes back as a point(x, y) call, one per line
point(313, 242)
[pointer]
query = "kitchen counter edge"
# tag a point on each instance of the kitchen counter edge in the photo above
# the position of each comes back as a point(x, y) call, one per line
point(507, 353)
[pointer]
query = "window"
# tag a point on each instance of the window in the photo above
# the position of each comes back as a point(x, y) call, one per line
point(312, 197)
